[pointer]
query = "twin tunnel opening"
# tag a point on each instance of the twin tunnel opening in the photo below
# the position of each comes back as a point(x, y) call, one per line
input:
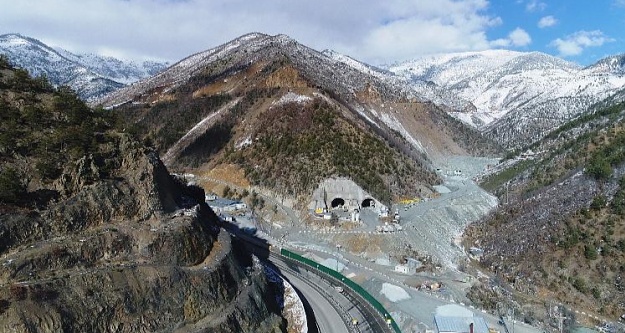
point(339, 202)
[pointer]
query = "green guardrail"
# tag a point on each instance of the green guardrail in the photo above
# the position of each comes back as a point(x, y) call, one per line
point(351, 284)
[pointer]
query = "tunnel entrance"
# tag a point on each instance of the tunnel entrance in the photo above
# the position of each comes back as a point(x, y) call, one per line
point(338, 202)
point(368, 203)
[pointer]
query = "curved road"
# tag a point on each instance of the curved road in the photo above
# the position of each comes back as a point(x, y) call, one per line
point(331, 313)
point(327, 318)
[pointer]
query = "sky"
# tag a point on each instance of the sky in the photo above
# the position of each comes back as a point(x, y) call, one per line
point(376, 32)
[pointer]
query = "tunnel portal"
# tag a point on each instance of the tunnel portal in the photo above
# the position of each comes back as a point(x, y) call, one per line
point(336, 202)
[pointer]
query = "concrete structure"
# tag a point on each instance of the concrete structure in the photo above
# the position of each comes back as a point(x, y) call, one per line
point(460, 324)
point(355, 217)
point(404, 269)
point(414, 263)
point(453, 318)
point(343, 193)
point(221, 205)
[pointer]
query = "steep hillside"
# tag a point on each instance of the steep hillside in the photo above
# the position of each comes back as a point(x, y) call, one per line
point(290, 117)
point(91, 76)
point(561, 235)
point(96, 236)
point(518, 97)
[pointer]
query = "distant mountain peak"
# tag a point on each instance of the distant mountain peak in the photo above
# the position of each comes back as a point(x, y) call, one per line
point(20, 39)
point(90, 75)
point(517, 96)
point(613, 64)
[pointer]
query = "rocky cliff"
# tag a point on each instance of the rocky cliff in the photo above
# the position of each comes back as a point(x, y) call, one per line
point(135, 254)
point(109, 241)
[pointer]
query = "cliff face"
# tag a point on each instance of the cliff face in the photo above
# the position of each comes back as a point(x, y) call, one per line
point(106, 240)
point(139, 253)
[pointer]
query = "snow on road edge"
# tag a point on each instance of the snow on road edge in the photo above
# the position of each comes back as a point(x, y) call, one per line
point(293, 308)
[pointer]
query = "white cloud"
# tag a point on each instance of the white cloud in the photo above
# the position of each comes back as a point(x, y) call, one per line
point(575, 44)
point(517, 38)
point(535, 5)
point(547, 21)
point(428, 26)
point(172, 29)
point(520, 37)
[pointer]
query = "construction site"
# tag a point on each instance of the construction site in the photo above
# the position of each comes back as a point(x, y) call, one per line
point(408, 255)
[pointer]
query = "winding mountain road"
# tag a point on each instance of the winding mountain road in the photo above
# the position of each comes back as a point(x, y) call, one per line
point(332, 310)
point(327, 319)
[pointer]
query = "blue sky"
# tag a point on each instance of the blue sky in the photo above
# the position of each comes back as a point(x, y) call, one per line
point(581, 31)
point(373, 31)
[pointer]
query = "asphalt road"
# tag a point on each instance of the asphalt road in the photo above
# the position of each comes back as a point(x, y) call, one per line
point(332, 311)
point(327, 318)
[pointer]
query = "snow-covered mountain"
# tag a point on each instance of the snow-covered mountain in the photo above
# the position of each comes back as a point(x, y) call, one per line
point(517, 96)
point(91, 76)
point(613, 64)
point(343, 73)
point(512, 97)
point(379, 98)
point(122, 71)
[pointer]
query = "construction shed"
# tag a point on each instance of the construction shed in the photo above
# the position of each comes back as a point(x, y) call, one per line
point(464, 324)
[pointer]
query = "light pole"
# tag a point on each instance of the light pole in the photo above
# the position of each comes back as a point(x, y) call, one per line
point(338, 249)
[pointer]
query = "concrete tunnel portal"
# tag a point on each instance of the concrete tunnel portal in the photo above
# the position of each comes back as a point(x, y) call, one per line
point(368, 203)
point(336, 202)
point(342, 192)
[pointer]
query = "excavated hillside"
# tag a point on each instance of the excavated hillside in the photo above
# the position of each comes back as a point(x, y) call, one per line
point(561, 235)
point(290, 117)
point(96, 236)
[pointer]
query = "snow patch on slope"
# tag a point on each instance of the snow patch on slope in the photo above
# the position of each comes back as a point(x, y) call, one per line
point(292, 97)
point(394, 293)
point(244, 143)
point(195, 132)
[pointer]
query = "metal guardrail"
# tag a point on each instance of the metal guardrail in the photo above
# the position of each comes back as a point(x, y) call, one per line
point(347, 282)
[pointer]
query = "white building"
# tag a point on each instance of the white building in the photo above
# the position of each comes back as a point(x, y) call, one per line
point(404, 269)
point(220, 205)
point(453, 318)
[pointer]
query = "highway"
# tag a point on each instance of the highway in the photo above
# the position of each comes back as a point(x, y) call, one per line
point(333, 311)
point(347, 303)
point(326, 318)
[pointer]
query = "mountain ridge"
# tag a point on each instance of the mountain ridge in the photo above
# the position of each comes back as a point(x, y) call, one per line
point(232, 85)
point(511, 96)
point(507, 87)
point(91, 76)
point(560, 235)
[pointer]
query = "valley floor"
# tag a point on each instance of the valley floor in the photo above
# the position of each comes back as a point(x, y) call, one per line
point(430, 233)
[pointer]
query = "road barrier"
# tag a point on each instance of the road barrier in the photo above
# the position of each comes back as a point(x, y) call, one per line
point(349, 283)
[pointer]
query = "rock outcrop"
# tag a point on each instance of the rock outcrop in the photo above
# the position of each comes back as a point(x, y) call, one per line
point(137, 251)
